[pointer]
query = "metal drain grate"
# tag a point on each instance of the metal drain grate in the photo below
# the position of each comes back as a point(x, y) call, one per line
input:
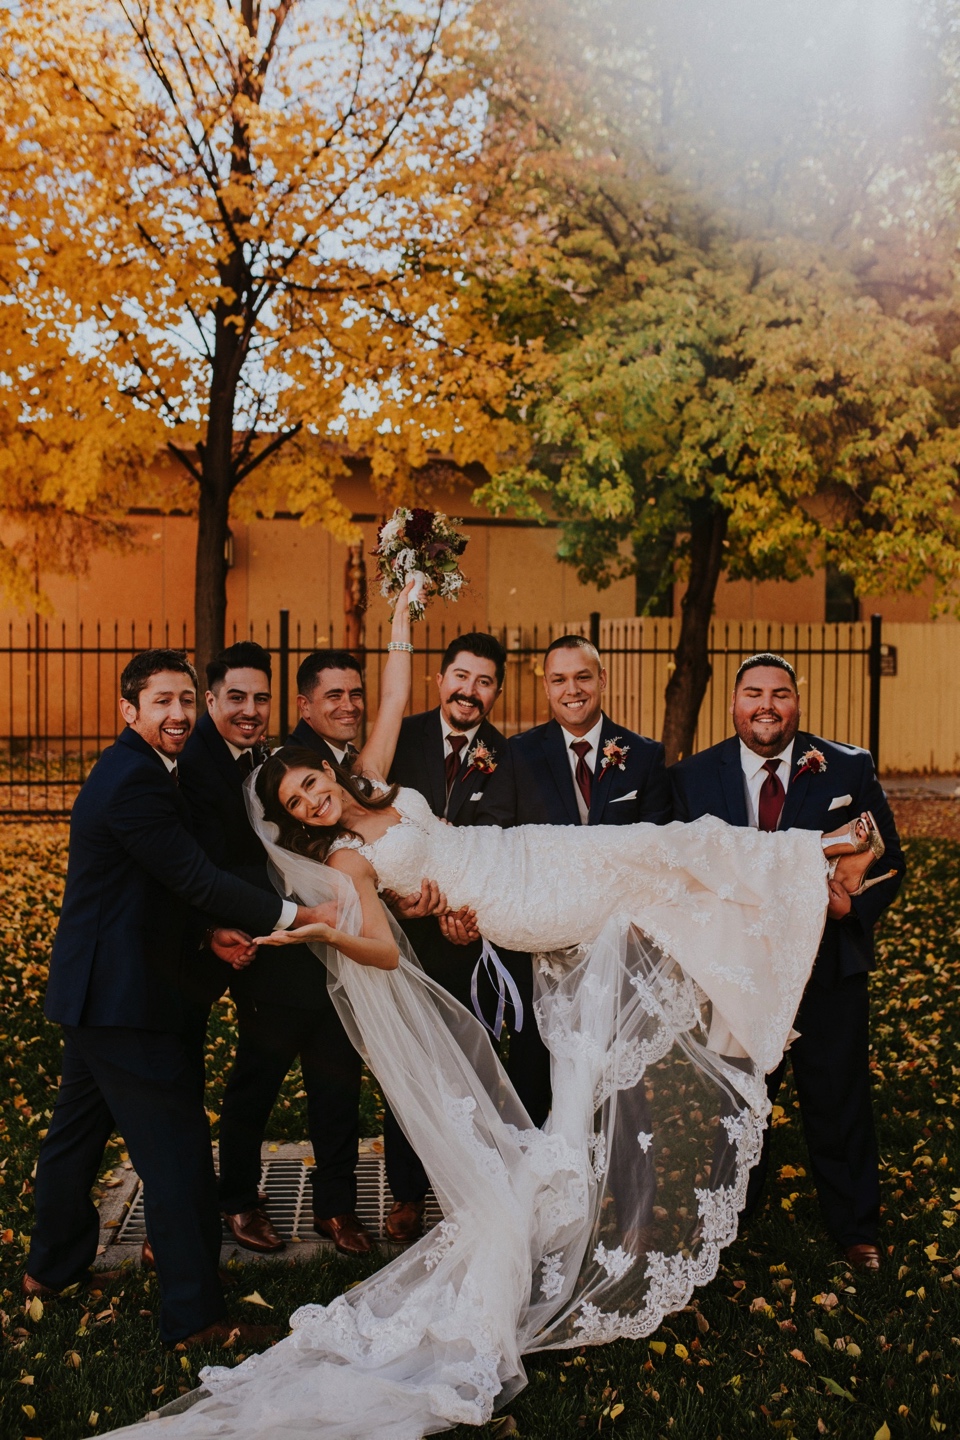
point(286, 1182)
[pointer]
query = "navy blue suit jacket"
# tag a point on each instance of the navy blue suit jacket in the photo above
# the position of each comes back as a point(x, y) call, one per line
point(307, 738)
point(542, 780)
point(712, 783)
point(212, 786)
point(135, 879)
point(419, 763)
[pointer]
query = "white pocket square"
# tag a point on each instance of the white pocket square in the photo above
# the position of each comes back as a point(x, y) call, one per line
point(477, 796)
point(839, 801)
point(631, 796)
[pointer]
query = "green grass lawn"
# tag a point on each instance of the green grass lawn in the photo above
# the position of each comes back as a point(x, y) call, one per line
point(784, 1342)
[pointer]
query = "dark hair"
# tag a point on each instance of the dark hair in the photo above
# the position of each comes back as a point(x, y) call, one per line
point(312, 841)
point(140, 668)
point(245, 655)
point(483, 646)
point(319, 660)
point(766, 657)
point(571, 642)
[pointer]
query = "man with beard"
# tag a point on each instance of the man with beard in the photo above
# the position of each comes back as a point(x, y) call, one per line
point(449, 754)
point(284, 1010)
point(774, 776)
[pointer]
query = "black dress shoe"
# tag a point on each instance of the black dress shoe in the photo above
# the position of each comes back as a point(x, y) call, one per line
point(865, 1258)
point(404, 1224)
point(32, 1289)
point(253, 1231)
point(348, 1233)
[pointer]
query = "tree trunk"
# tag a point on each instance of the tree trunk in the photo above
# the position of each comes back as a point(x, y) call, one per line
point(210, 588)
point(688, 683)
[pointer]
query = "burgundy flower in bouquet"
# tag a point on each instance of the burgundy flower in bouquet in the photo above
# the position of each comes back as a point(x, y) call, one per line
point(425, 544)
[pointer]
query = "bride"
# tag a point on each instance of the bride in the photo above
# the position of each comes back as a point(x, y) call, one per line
point(669, 965)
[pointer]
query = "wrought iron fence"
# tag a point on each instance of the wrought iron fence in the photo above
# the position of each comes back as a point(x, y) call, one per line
point(59, 710)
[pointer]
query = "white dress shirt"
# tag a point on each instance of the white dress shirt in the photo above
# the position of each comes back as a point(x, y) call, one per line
point(754, 775)
point(288, 910)
point(592, 738)
point(469, 735)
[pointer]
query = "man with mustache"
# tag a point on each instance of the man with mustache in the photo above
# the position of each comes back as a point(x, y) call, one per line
point(772, 775)
point(449, 754)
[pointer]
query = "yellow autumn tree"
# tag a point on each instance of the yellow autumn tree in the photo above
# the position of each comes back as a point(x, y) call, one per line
point(232, 233)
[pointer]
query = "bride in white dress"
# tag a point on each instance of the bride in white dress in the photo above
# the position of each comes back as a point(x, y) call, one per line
point(670, 962)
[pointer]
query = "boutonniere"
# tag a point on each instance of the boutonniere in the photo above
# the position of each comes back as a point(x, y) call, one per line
point(812, 760)
point(614, 755)
point(480, 759)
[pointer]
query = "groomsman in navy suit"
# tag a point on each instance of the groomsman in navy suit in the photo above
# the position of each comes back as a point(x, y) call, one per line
point(284, 1010)
point(773, 775)
point(331, 701)
point(451, 754)
point(580, 768)
point(120, 987)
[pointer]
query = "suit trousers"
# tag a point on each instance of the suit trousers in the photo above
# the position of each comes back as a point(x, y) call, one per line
point(270, 1037)
point(832, 1074)
point(528, 1060)
point(147, 1084)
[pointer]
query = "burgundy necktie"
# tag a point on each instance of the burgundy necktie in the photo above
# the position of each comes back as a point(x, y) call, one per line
point(452, 762)
point(772, 796)
point(174, 775)
point(583, 777)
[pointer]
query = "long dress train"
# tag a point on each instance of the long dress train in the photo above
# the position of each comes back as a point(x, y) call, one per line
point(670, 963)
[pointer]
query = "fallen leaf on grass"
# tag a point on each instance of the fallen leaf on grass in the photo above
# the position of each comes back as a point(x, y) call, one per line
point(883, 1433)
point(799, 1355)
point(35, 1308)
point(836, 1389)
point(255, 1299)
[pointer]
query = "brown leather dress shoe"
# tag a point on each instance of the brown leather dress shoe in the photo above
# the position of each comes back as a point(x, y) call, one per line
point(865, 1258)
point(147, 1261)
point(233, 1333)
point(32, 1289)
point(404, 1224)
point(253, 1231)
point(348, 1233)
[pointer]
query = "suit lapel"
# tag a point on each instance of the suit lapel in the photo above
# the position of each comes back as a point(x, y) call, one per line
point(220, 756)
point(603, 779)
point(731, 782)
point(554, 745)
point(462, 786)
point(436, 775)
point(802, 789)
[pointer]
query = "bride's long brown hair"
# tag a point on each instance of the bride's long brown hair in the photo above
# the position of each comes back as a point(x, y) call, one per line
point(314, 841)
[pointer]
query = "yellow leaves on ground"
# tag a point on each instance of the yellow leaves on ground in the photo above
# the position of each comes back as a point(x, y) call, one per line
point(255, 1299)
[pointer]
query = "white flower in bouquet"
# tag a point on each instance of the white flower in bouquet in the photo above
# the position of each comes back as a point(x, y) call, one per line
point(422, 543)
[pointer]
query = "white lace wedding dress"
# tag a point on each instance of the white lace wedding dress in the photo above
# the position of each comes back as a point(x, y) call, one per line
point(670, 962)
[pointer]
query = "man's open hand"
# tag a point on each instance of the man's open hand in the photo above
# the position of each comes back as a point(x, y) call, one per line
point(233, 946)
point(325, 914)
point(428, 900)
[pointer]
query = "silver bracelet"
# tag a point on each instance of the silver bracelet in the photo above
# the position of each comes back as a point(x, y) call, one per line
point(400, 645)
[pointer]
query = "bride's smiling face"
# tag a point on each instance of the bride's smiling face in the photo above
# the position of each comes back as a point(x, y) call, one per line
point(312, 796)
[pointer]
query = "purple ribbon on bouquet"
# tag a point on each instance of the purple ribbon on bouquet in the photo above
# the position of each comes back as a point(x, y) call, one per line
point(504, 985)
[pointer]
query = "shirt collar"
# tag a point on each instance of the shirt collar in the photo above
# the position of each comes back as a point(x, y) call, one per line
point(751, 763)
point(170, 764)
point(592, 736)
point(469, 735)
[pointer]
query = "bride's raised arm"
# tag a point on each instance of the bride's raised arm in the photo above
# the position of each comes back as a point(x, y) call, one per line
point(376, 757)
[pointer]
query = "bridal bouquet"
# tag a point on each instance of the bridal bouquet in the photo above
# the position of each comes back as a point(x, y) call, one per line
point(425, 544)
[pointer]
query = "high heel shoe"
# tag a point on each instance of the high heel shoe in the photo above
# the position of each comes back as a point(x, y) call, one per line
point(860, 835)
point(874, 880)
